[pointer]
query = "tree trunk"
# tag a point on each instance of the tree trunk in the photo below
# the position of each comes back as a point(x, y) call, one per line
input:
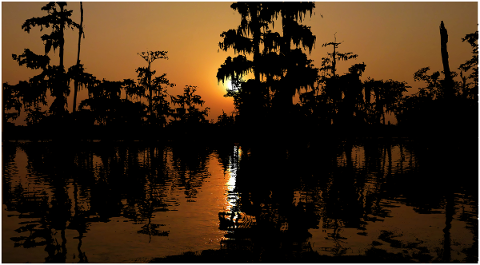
point(285, 50)
point(80, 32)
point(62, 40)
point(334, 59)
point(448, 86)
point(256, 40)
point(61, 87)
point(149, 80)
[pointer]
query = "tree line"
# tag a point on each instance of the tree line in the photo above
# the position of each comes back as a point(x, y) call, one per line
point(146, 101)
point(328, 99)
point(281, 69)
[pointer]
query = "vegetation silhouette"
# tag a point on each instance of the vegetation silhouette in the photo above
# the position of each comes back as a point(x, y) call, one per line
point(189, 120)
point(330, 104)
point(278, 70)
point(58, 20)
point(294, 162)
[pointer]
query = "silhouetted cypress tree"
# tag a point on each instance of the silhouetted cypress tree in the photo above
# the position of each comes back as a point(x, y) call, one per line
point(189, 103)
point(156, 105)
point(58, 20)
point(11, 100)
point(277, 68)
point(330, 62)
point(333, 87)
point(252, 97)
point(387, 96)
point(295, 69)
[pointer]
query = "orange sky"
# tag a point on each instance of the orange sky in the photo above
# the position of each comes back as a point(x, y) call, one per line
point(394, 40)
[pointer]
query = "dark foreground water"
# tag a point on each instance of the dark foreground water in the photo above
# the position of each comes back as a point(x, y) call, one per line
point(133, 202)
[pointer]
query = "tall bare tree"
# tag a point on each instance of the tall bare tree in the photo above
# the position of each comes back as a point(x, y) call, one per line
point(80, 33)
point(448, 90)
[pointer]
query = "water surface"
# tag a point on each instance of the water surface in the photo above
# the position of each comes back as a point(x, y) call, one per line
point(127, 202)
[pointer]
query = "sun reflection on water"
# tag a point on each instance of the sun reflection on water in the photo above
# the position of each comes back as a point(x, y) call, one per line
point(233, 166)
point(231, 215)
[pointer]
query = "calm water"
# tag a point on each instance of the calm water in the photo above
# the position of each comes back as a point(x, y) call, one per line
point(129, 202)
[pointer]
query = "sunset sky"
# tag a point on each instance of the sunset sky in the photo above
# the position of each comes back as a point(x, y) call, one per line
point(394, 40)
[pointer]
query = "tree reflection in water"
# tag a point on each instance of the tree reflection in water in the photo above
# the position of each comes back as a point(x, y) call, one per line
point(71, 187)
point(289, 190)
point(282, 202)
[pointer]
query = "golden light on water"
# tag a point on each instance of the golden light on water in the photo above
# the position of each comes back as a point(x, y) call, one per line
point(233, 163)
point(239, 153)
